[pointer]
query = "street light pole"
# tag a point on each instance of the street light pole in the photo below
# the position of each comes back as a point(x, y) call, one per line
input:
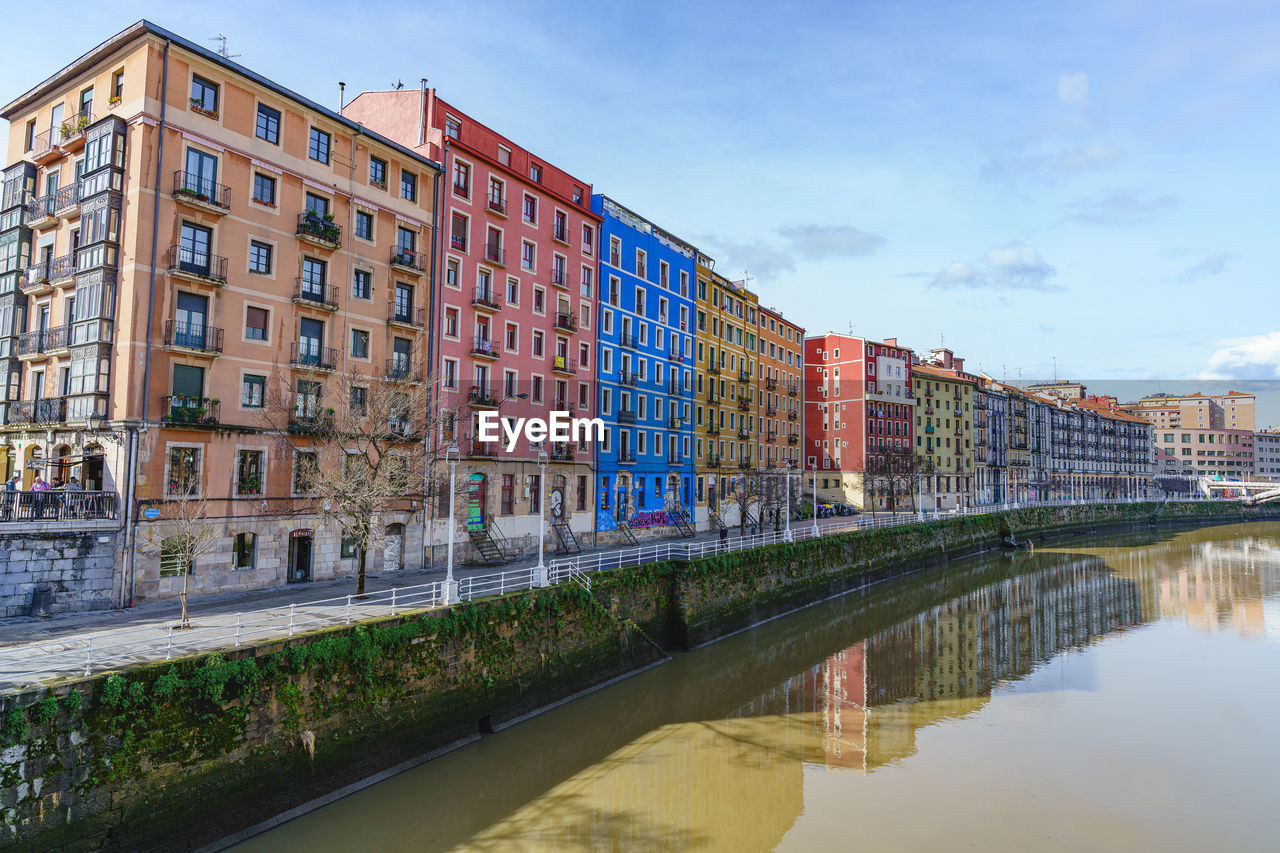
point(541, 572)
point(450, 585)
point(787, 535)
point(815, 500)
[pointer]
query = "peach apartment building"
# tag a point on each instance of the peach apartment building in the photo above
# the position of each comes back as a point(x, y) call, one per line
point(183, 242)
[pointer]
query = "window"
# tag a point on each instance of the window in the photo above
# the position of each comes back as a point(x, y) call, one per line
point(577, 194)
point(378, 172)
point(117, 84)
point(204, 96)
point(184, 471)
point(243, 550)
point(305, 465)
point(513, 291)
point(173, 558)
point(535, 494)
point(451, 273)
point(252, 387)
point(249, 472)
point(508, 490)
point(264, 189)
point(359, 400)
point(31, 136)
point(255, 323)
point(537, 343)
point(348, 548)
point(535, 173)
point(458, 232)
point(539, 300)
point(451, 322)
point(504, 155)
point(462, 178)
point(406, 240)
point(408, 185)
point(560, 227)
point(259, 257)
point(588, 235)
point(362, 284)
point(268, 126)
point(364, 225)
point(319, 205)
point(359, 343)
point(536, 389)
point(86, 102)
point(452, 127)
point(318, 147)
point(587, 278)
point(530, 209)
point(527, 255)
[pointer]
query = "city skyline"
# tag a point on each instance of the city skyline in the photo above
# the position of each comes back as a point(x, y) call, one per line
point(1055, 196)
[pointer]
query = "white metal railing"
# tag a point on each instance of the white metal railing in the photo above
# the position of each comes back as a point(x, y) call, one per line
point(86, 654)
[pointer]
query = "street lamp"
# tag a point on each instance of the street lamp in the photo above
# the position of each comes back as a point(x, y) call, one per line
point(541, 571)
point(451, 455)
point(787, 535)
point(815, 500)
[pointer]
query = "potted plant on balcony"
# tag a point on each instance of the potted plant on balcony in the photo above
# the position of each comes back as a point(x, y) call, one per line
point(197, 106)
point(113, 101)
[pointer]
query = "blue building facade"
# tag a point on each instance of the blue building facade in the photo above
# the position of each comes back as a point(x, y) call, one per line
point(644, 370)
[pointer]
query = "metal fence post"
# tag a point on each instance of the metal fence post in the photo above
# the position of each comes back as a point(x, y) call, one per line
point(348, 610)
point(88, 660)
point(238, 615)
point(291, 606)
point(393, 601)
point(168, 655)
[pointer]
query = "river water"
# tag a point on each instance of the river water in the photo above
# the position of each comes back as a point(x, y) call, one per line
point(1112, 692)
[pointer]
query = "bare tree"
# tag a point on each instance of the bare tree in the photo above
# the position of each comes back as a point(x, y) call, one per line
point(356, 442)
point(185, 535)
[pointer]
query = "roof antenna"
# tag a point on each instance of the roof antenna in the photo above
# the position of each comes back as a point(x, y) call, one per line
point(222, 47)
point(399, 84)
point(342, 96)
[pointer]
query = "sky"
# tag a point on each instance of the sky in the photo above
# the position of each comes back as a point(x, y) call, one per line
point(1088, 187)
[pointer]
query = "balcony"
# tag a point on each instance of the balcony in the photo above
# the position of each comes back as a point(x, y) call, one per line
point(561, 452)
point(713, 460)
point(39, 212)
point(307, 353)
point(793, 438)
point(626, 377)
point(192, 337)
point(66, 203)
point(483, 347)
point(458, 242)
point(713, 369)
point(713, 398)
point(49, 410)
point(35, 279)
point(44, 147)
point(744, 375)
point(495, 254)
point(43, 341)
point(200, 193)
point(628, 340)
point(560, 233)
point(771, 435)
point(626, 457)
point(559, 278)
point(400, 315)
point(770, 410)
point(744, 464)
point(793, 415)
point(674, 388)
point(483, 449)
point(71, 133)
point(195, 265)
point(485, 299)
point(770, 384)
point(744, 404)
point(497, 205)
point(793, 390)
point(483, 397)
point(75, 507)
point(744, 433)
point(626, 416)
point(402, 370)
point(564, 364)
point(675, 422)
point(566, 321)
point(408, 261)
point(181, 410)
point(314, 295)
point(319, 230)
point(300, 421)
point(712, 429)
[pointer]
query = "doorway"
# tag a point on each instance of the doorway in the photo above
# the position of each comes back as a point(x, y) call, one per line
point(394, 549)
point(299, 558)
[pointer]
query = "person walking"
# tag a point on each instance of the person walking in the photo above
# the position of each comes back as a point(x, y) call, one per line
point(73, 501)
point(39, 496)
point(11, 500)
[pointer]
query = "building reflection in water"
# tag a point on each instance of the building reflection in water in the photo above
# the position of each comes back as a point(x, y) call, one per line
point(864, 703)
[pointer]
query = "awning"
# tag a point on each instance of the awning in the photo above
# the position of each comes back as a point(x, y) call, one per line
point(37, 464)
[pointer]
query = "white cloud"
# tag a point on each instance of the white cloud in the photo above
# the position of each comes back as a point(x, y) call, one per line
point(1013, 266)
point(1051, 168)
point(1073, 88)
point(822, 241)
point(1257, 357)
